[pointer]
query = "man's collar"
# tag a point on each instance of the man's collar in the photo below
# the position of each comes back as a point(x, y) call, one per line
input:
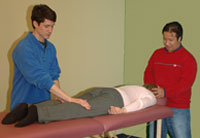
point(175, 49)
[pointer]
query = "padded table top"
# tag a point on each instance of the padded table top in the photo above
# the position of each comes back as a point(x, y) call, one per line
point(83, 127)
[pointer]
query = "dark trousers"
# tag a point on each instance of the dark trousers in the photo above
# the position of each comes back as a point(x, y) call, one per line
point(100, 100)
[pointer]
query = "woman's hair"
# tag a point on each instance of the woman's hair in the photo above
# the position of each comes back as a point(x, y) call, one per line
point(150, 86)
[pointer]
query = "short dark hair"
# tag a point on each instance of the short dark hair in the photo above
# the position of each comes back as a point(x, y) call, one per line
point(174, 27)
point(41, 12)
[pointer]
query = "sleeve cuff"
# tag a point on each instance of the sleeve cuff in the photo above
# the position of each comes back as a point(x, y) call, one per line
point(50, 85)
point(164, 93)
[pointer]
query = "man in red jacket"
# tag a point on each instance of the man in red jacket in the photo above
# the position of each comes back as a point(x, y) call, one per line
point(173, 69)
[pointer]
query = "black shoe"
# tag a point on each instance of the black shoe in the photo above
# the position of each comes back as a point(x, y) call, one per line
point(31, 117)
point(16, 114)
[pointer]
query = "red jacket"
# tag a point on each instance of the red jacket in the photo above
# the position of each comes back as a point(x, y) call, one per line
point(175, 72)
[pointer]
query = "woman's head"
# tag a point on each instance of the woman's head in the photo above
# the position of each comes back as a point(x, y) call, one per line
point(150, 86)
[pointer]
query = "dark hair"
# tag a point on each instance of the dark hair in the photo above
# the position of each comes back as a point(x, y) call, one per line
point(150, 86)
point(41, 12)
point(174, 27)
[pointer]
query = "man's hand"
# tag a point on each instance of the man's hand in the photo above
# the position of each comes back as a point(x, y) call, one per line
point(158, 92)
point(82, 102)
point(116, 110)
point(59, 99)
point(55, 89)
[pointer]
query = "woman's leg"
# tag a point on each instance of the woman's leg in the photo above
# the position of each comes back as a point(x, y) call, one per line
point(100, 100)
point(16, 114)
point(48, 103)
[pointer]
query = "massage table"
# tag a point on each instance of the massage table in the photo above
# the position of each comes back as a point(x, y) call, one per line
point(83, 127)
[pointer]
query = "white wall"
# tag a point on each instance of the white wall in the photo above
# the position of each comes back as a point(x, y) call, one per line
point(89, 37)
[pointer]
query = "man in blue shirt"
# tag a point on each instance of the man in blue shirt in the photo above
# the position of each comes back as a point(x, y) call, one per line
point(36, 69)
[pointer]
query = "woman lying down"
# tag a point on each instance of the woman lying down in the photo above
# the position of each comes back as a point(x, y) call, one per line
point(103, 101)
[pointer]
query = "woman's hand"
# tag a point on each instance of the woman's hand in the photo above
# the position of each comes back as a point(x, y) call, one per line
point(82, 102)
point(116, 110)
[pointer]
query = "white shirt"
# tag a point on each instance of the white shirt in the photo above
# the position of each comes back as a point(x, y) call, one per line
point(136, 97)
